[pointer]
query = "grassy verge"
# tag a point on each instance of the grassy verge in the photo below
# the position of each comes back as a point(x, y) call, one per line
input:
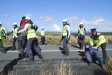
point(108, 66)
point(56, 39)
point(60, 69)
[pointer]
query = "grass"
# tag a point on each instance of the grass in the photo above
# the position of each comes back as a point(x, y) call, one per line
point(56, 39)
point(60, 69)
point(108, 66)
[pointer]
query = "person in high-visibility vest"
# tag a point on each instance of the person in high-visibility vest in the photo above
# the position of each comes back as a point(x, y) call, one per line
point(98, 40)
point(81, 35)
point(43, 38)
point(3, 34)
point(31, 40)
point(65, 37)
point(15, 35)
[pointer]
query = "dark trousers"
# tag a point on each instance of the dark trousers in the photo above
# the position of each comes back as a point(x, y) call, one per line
point(31, 44)
point(65, 45)
point(90, 53)
point(22, 41)
point(81, 42)
point(43, 40)
point(104, 53)
point(1, 46)
point(13, 43)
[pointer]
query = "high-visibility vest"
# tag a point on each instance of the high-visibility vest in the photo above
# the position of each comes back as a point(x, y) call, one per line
point(42, 33)
point(3, 32)
point(31, 32)
point(15, 32)
point(64, 32)
point(81, 31)
point(101, 39)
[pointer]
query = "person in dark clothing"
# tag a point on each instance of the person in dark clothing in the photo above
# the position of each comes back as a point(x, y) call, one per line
point(22, 38)
point(90, 51)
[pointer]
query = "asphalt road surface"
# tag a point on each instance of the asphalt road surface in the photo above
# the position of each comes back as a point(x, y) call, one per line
point(52, 54)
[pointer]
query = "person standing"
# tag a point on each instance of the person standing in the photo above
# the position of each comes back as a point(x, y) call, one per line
point(65, 37)
point(3, 34)
point(43, 38)
point(22, 38)
point(15, 35)
point(31, 40)
point(98, 40)
point(81, 35)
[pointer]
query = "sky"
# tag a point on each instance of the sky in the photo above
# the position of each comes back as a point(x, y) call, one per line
point(50, 13)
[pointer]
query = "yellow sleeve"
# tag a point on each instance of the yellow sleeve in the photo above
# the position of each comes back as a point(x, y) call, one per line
point(91, 41)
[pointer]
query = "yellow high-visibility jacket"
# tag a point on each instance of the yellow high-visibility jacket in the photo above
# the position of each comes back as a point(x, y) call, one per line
point(97, 42)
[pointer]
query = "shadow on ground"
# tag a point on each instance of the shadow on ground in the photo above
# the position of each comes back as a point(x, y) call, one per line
point(9, 66)
point(8, 48)
point(62, 50)
point(75, 46)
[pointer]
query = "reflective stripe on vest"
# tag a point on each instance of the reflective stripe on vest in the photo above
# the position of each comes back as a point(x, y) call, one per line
point(15, 32)
point(31, 33)
point(64, 32)
point(81, 31)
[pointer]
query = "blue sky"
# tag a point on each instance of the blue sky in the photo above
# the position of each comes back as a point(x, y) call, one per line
point(50, 13)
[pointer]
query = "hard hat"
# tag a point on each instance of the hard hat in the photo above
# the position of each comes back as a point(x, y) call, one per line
point(81, 23)
point(14, 23)
point(28, 18)
point(64, 20)
point(0, 22)
point(42, 27)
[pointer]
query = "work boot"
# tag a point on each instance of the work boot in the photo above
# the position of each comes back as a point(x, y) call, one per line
point(20, 56)
point(40, 56)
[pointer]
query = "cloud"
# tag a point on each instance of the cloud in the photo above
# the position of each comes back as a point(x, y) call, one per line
point(97, 21)
point(72, 20)
point(29, 14)
point(94, 21)
point(56, 27)
point(46, 18)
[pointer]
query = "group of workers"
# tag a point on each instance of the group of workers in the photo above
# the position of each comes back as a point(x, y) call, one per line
point(25, 35)
point(91, 48)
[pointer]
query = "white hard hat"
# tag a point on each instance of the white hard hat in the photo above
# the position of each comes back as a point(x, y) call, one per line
point(64, 20)
point(42, 27)
point(14, 23)
point(0, 22)
point(28, 18)
point(81, 23)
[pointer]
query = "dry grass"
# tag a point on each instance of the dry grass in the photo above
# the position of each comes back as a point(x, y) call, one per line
point(56, 39)
point(108, 66)
point(60, 69)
